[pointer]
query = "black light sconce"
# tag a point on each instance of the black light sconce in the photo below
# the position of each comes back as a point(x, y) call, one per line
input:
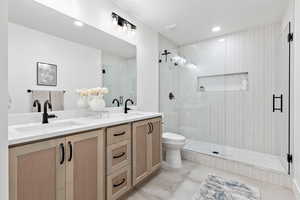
point(123, 23)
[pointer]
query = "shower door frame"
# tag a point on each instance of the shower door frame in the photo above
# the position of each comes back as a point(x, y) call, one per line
point(289, 154)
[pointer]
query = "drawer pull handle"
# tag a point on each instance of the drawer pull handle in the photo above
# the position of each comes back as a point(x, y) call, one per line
point(71, 151)
point(149, 127)
point(119, 184)
point(119, 134)
point(119, 156)
point(151, 124)
point(62, 150)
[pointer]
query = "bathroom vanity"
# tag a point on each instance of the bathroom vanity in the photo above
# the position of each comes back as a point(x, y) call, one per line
point(76, 156)
point(83, 158)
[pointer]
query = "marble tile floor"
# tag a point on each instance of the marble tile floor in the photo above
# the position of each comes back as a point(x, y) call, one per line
point(181, 184)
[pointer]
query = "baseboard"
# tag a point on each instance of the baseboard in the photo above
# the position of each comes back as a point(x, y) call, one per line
point(296, 189)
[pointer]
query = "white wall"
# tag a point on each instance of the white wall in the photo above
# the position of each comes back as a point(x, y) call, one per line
point(297, 95)
point(78, 66)
point(147, 71)
point(289, 14)
point(3, 102)
point(97, 13)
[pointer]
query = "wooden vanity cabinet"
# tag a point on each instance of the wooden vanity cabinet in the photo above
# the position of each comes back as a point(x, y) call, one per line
point(155, 146)
point(36, 172)
point(73, 167)
point(146, 148)
point(118, 161)
point(68, 168)
point(85, 173)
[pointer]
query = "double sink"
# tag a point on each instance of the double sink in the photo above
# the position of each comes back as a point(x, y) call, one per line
point(34, 131)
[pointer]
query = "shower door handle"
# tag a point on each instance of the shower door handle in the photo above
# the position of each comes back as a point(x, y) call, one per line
point(274, 103)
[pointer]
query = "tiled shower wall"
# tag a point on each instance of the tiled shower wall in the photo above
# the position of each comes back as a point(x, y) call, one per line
point(242, 119)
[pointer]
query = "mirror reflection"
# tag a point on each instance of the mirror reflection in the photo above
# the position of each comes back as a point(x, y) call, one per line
point(119, 73)
point(57, 59)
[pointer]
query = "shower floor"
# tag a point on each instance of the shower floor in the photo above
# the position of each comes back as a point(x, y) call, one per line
point(261, 160)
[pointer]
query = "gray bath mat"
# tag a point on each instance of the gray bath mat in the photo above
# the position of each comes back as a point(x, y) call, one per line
point(217, 188)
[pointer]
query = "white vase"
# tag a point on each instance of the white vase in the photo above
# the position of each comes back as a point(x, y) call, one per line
point(97, 103)
point(82, 102)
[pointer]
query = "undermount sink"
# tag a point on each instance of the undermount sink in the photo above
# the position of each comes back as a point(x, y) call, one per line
point(47, 127)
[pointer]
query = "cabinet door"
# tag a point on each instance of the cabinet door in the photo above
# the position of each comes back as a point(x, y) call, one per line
point(156, 144)
point(85, 166)
point(140, 153)
point(37, 171)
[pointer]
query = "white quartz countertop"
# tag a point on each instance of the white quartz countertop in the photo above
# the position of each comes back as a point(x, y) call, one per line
point(30, 132)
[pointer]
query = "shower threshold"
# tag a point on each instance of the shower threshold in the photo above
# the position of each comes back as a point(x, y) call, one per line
point(255, 159)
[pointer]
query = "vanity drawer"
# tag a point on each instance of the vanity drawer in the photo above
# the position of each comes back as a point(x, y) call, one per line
point(118, 183)
point(118, 133)
point(118, 156)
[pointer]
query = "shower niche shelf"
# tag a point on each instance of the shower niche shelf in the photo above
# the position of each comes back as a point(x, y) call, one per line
point(223, 82)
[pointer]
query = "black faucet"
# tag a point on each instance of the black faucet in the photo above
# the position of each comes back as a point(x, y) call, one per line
point(116, 100)
point(45, 114)
point(38, 104)
point(126, 106)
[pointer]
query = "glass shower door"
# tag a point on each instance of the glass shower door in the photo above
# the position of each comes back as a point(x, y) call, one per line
point(281, 98)
point(168, 91)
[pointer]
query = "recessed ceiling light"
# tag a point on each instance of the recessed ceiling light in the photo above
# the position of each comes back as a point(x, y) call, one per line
point(78, 23)
point(221, 40)
point(216, 29)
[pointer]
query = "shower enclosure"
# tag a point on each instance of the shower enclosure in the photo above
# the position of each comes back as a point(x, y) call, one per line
point(230, 96)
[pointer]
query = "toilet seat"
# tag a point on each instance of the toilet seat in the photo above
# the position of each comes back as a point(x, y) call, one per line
point(173, 138)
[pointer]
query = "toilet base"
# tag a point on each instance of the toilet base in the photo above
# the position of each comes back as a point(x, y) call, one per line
point(173, 158)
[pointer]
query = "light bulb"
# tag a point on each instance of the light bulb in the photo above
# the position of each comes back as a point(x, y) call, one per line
point(115, 21)
point(124, 27)
point(128, 27)
point(132, 30)
point(120, 28)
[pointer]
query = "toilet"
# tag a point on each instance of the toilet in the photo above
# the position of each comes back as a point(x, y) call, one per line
point(173, 144)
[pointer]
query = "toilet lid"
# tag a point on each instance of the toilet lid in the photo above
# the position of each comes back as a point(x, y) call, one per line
point(173, 136)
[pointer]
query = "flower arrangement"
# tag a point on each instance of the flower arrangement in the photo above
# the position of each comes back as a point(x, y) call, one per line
point(92, 91)
point(82, 92)
point(97, 91)
point(92, 98)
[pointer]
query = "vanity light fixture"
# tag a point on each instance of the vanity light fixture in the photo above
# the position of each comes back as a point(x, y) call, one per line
point(123, 24)
point(216, 29)
point(221, 40)
point(78, 23)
